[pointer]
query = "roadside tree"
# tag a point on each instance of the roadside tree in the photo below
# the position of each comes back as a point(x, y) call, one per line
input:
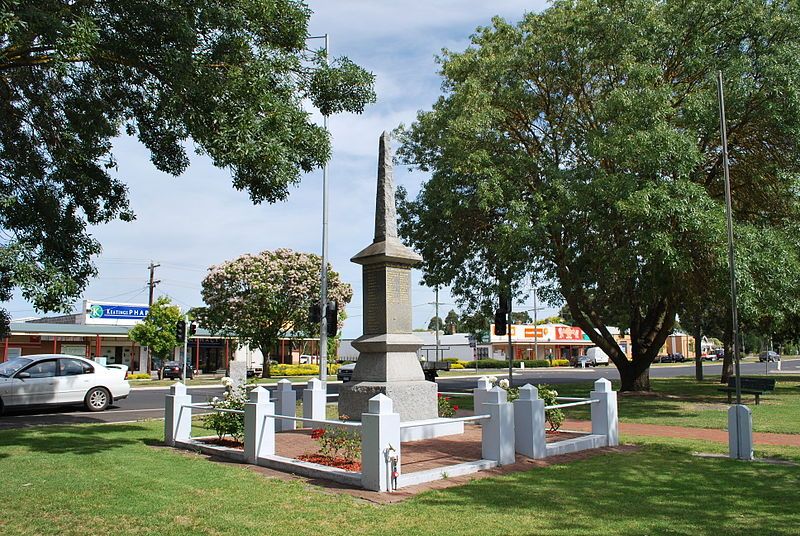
point(262, 298)
point(227, 79)
point(591, 165)
point(157, 330)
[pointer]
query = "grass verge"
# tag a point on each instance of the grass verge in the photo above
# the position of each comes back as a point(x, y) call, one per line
point(117, 479)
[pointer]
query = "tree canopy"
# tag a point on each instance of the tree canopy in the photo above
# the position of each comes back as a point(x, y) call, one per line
point(157, 330)
point(261, 298)
point(223, 79)
point(581, 149)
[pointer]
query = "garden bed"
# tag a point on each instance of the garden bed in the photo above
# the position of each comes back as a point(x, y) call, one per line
point(330, 461)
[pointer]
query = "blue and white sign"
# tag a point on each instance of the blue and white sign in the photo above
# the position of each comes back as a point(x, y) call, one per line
point(114, 313)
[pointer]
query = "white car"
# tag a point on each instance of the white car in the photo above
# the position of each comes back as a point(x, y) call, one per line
point(61, 379)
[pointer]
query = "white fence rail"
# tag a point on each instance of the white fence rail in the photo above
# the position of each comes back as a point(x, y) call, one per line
point(507, 428)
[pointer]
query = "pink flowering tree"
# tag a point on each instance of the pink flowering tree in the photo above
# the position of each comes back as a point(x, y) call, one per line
point(262, 298)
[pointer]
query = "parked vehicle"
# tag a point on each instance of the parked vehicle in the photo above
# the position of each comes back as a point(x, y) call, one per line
point(174, 370)
point(345, 372)
point(581, 361)
point(44, 379)
point(676, 357)
point(429, 368)
point(596, 356)
point(769, 356)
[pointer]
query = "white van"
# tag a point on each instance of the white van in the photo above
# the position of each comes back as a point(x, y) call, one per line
point(595, 356)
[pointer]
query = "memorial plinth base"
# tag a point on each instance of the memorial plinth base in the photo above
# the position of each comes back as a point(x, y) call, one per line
point(413, 400)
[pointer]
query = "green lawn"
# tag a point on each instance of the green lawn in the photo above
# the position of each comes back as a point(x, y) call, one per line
point(685, 402)
point(117, 479)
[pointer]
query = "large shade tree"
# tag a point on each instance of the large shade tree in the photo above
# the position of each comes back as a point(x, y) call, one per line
point(262, 298)
point(581, 148)
point(226, 79)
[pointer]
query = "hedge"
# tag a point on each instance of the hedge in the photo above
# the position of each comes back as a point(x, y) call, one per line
point(300, 370)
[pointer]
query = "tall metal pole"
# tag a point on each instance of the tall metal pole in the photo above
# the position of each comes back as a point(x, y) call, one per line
point(510, 345)
point(731, 255)
point(535, 329)
point(323, 325)
point(436, 292)
point(185, 345)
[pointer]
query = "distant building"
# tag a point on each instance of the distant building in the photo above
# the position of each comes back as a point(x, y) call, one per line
point(100, 332)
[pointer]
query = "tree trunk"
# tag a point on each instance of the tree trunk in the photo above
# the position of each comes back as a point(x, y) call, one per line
point(634, 379)
point(698, 354)
point(727, 362)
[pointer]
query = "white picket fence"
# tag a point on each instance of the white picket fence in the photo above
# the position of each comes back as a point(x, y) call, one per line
point(507, 429)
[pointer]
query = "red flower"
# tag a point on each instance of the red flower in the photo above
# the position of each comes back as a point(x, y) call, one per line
point(439, 395)
point(318, 433)
point(455, 408)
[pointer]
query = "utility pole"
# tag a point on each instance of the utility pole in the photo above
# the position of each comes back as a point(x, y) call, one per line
point(153, 282)
point(152, 285)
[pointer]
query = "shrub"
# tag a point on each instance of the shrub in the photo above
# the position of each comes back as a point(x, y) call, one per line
point(456, 366)
point(231, 424)
point(492, 363)
point(560, 362)
point(301, 370)
point(533, 363)
point(467, 364)
point(337, 441)
point(446, 409)
point(139, 376)
point(450, 360)
point(554, 416)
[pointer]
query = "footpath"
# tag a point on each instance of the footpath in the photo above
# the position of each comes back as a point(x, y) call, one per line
point(703, 434)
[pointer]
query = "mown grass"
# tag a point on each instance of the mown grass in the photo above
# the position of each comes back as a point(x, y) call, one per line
point(117, 479)
point(686, 402)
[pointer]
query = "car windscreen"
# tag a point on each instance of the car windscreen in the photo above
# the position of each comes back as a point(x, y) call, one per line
point(10, 367)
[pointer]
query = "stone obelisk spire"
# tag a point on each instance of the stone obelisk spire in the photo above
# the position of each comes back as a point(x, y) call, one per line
point(388, 361)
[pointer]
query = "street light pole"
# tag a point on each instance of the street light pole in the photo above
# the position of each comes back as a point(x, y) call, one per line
point(323, 325)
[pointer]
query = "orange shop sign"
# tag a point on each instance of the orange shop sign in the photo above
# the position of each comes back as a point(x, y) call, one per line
point(569, 333)
point(532, 333)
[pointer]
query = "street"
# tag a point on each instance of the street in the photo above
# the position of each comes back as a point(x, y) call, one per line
point(148, 403)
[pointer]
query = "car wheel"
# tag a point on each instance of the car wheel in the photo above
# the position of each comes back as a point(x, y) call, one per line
point(97, 399)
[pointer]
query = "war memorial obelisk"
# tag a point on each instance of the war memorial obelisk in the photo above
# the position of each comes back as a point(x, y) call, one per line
point(387, 361)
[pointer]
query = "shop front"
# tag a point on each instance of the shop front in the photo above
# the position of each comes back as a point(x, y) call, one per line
point(556, 341)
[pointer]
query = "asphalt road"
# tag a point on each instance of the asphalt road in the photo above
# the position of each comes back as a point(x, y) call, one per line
point(148, 403)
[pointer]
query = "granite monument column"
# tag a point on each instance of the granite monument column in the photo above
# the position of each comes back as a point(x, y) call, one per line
point(388, 360)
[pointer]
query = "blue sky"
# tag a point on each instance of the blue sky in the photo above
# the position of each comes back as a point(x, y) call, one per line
point(190, 222)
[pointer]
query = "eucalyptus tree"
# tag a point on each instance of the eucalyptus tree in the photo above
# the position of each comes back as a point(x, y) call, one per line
point(226, 79)
point(581, 148)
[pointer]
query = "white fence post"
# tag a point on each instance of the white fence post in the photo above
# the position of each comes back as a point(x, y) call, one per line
point(497, 441)
point(481, 394)
point(286, 403)
point(604, 412)
point(380, 429)
point(529, 429)
point(259, 430)
point(177, 419)
point(314, 400)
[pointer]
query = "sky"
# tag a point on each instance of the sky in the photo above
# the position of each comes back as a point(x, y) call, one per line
point(191, 222)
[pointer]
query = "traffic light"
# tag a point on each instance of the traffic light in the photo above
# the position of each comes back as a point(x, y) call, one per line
point(192, 328)
point(332, 318)
point(314, 313)
point(501, 317)
point(180, 330)
point(500, 322)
